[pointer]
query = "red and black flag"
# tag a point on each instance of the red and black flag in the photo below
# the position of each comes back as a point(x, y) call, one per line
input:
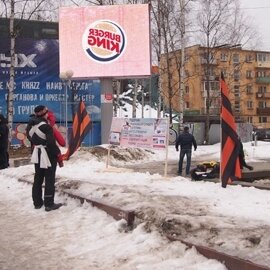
point(80, 128)
point(229, 164)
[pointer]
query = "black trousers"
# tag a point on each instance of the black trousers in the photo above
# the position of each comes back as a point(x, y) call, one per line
point(49, 176)
point(4, 158)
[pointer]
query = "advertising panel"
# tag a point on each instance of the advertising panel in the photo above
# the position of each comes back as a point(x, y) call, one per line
point(105, 41)
point(139, 132)
point(37, 83)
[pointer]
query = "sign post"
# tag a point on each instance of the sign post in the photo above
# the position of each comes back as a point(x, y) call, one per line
point(106, 109)
point(66, 77)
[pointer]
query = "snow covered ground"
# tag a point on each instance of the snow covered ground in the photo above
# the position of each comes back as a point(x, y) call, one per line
point(234, 220)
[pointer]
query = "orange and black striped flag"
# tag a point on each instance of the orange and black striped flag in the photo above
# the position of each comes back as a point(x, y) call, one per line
point(81, 126)
point(229, 164)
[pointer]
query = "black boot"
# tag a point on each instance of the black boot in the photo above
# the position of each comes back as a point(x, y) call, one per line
point(53, 207)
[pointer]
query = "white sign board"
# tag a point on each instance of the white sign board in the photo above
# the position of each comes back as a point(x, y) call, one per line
point(139, 132)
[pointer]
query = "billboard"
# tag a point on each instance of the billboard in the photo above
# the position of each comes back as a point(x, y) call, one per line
point(105, 41)
point(37, 83)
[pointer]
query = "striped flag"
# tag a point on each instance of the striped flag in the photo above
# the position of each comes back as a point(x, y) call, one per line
point(80, 128)
point(229, 165)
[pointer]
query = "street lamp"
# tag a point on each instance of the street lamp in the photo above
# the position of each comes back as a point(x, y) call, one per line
point(66, 78)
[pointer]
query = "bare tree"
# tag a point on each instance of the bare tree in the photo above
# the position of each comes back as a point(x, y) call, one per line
point(182, 24)
point(220, 23)
point(156, 44)
point(169, 34)
point(164, 37)
point(102, 2)
point(30, 9)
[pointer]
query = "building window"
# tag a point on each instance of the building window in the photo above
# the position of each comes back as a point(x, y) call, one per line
point(249, 104)
point(223, 57)
point(215, 105)
point(262, 57)
point(250, 119)
point(262, 119)
point(210, 71)
point(236, 91)
point(187, 105)
point(237, 106)
point(208, 58)
point(262, 89)
point(249, 58)
point(224, 71)
point(249, 89)
point(262, 104)
point(248, 74)
point(214, 86)
point(236, 58)
point(236, 75)
point(260, 74)
point(187, 89)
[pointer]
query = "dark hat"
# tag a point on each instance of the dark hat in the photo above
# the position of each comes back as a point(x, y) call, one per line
point(186, 128)
point(40, 110)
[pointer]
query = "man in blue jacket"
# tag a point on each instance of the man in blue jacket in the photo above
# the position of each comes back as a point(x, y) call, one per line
point(185, 140)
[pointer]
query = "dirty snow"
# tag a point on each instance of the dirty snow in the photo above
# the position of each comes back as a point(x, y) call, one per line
point(234, 220)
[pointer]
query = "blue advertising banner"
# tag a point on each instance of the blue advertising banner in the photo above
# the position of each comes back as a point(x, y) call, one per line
point(37, 82)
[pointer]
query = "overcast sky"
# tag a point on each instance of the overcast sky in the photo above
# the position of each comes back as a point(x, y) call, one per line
point(260, 11)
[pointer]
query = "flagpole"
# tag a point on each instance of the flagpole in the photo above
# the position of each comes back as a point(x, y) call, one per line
point(167, 146)
point(220, 130)
point(66, 77)
point(108, 157)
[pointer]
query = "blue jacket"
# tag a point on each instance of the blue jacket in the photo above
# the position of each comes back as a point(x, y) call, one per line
point(185, 140)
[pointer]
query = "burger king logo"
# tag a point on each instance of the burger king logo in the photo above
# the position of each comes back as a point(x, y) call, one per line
point(104, 41)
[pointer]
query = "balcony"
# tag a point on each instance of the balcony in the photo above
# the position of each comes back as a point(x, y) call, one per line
point(263, 80)
point(212, 94)
point(262, 95)
point(263, 111)
point(263, 64)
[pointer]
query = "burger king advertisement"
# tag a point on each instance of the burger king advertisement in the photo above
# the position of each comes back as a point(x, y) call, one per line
point(105, 41)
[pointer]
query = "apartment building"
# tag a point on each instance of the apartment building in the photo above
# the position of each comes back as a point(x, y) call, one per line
point(246, 72)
